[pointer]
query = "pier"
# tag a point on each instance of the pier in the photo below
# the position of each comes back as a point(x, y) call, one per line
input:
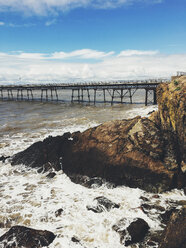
point(120, 91)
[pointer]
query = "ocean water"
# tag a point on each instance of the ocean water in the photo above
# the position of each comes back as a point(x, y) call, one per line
point(31, 199)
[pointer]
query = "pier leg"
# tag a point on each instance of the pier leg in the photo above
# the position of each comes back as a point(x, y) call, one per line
point(78, 95)
point(94, 97)
point(1, 94)
point(41, 95)
point(82, 95)
point(104, 95)
point(121, 96)
point(155, 97)
point(28, 97)
point(21, 94)
point(18, 94)
point(88, 95)
point(32, 95)
point(51, 93)
point(56, 94)
point(112, 97)
point(72, 97)
point(8, 94)
point(146, 96)
point(46, 94)
point(130, 95)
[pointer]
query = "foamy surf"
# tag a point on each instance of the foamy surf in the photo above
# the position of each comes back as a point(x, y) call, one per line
point(31, 199)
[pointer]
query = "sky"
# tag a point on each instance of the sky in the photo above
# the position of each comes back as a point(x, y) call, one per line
point(91, 40)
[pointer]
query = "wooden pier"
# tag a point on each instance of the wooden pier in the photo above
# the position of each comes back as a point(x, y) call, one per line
point(122, 91)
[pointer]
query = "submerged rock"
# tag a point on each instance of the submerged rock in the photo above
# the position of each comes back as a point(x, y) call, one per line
point(20, 236)
point(134, 233)
point(103, 204)
point(174, 234)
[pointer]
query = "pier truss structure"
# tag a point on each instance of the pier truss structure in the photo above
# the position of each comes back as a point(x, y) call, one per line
point(120, 91)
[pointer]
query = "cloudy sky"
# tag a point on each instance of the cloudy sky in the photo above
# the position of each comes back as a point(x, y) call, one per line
point(85, 40)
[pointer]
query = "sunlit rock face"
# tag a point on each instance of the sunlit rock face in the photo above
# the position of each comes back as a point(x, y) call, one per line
point(124, 152)
point(171, 113)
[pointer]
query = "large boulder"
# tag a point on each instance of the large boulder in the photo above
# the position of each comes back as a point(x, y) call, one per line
point(174, 235)
point(20, 236)
point(133, 233)
point(124, 152)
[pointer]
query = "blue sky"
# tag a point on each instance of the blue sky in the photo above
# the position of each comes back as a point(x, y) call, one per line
point(84, 35)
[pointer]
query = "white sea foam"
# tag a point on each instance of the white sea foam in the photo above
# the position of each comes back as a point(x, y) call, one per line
point(31, 199)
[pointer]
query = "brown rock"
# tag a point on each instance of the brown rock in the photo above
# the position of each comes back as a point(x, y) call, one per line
point(20, 236)
point(174, 234)
point(128, 152)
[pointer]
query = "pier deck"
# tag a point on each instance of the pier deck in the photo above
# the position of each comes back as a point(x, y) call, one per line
point(121, 90)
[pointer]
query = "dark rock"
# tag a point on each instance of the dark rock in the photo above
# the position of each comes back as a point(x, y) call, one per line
point(137, 230)
point(146, 207)
point(3, 158)
point(144, 198)
point(75, 240)
point(174, 233)
point(103, 204)
point(51, 175)
point(184, 190)
point(58, 212)
point(94, 182)
point(20, 236)
point(165, 217)
point(156, 196)
point(134, 233)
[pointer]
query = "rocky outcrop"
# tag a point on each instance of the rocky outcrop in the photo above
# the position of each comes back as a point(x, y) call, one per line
point(129, 152)
point(20, 236)
point(174, 234)
point(171, 119)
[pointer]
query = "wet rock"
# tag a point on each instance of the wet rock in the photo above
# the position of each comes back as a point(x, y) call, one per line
point(126, 152)
point(165, 217)
point(75, 239)
point(58, 212)
point(147, 207)
point(144, 198)
point(184, 190)
point(51, 175)
point(20, 236)
point(3, 158)
point(103, 204)
point(135, 232)
point(94, 182)
point(174, 234)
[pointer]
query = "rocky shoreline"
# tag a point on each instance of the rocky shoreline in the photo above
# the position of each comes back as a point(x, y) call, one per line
point(146, 153)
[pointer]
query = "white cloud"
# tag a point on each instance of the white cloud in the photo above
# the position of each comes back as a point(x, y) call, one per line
point(44, 7)
point(136, 52)
point(39, 67)
point(83, 54)
point(51, 22)
point(2, 23)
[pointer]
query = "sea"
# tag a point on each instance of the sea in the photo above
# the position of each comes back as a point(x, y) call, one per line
point(31, 199)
